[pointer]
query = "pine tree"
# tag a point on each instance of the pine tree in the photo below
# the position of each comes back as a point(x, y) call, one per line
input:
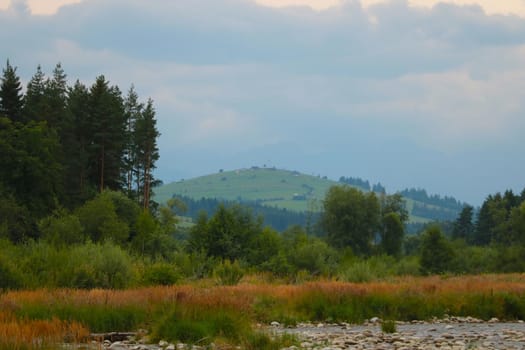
point(56, 100)
point(78, 137)
point(463, 227)
point(34, 106)
point(132, 110)
point(11, 97)
point(107, 126)
point(147, 152)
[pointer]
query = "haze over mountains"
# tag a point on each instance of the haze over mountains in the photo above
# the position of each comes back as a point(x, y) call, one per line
point(428, 97)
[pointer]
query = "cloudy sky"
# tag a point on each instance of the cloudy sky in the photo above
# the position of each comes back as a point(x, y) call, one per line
point(416, 93)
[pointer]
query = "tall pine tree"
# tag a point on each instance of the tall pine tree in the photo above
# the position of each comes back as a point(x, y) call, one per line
point(34, 103)
point(133, 111)
point(11, 98)
point(147, 152)
point(107, 127)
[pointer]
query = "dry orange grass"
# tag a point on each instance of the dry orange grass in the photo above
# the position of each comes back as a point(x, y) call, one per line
point(242, 296)
point(18, 334)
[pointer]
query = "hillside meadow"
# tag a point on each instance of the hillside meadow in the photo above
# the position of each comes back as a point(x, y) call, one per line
point(284, 189)
point(42, 318)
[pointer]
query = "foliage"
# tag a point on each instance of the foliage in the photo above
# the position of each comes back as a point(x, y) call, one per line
point(278, 218)
point(10, 276)
point(463, 226)
point(228, 273)
point(62, 228)
point(499, 220)
point(372, 269)
point(101, 222)
point(200, 325)
point(11, 98)
point(16, 223)
point(65, 144)
point(392, 234)
point(227, 234)
point(436, 252)
point(388, 326)
point(96, 266)
point(350, 218)
point(161, 273)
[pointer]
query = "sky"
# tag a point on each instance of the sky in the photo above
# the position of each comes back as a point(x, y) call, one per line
point(417, 93)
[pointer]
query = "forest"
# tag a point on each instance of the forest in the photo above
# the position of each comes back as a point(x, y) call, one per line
point(76, 181)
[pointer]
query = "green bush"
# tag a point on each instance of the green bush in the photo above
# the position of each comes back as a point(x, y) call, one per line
point(161, 274)
point(388, 326)
point(437, 255)
point(10, 276)
point(200, 325)
point(372, 269)
point(62, 228)
point(96, 266)
point(314, 256)
point(228, 273)
point(101, 222)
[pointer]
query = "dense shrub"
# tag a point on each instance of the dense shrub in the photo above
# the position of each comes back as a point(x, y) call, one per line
point(62, 228)
point(228, 273)
point(200, 325)
point(10, 276)
point(97, 266)
point(160, 273)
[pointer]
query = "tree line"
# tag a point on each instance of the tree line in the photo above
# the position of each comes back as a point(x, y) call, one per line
point(62, 145)
point(277, 218)
point(500, 221)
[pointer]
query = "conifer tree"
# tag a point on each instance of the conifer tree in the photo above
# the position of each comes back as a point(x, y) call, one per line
point(147, 152)
point(463, 227)
point(78, 188)
point(11, 97)
point(56, 100)
point(34, 106)
point(106, 126)
point(132, 111)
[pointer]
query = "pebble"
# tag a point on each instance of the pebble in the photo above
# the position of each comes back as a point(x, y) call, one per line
point(452, 333)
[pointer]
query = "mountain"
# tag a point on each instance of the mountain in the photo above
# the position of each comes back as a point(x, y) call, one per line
point(293, 191)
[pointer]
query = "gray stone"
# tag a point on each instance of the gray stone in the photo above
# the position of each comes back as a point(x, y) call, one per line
point(118, 346)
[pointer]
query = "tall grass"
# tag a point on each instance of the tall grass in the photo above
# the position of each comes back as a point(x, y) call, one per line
point(204, 312)
point(22, 334)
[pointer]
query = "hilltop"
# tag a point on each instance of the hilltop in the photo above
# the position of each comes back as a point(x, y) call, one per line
point(285, 189)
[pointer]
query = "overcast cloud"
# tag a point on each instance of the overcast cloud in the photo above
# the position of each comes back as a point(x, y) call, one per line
point(410, 97)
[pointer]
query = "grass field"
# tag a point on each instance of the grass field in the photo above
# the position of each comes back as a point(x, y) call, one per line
point(272, 187)
point(227, 314)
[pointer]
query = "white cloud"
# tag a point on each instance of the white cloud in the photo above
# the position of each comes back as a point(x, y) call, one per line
point(229, 74)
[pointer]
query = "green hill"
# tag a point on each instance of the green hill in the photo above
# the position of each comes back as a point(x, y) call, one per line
point(273, 187)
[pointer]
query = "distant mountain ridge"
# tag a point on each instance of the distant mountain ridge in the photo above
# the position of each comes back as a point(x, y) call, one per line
point(296, 192)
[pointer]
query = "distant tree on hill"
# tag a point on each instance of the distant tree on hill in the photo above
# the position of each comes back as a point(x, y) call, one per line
point(378, 188)
point(356, 182)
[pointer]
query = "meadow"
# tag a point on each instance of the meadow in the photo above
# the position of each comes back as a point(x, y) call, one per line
point(290, 190)
point(204, 312)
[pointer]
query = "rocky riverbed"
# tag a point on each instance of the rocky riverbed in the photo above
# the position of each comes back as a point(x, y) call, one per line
point(453, 333)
